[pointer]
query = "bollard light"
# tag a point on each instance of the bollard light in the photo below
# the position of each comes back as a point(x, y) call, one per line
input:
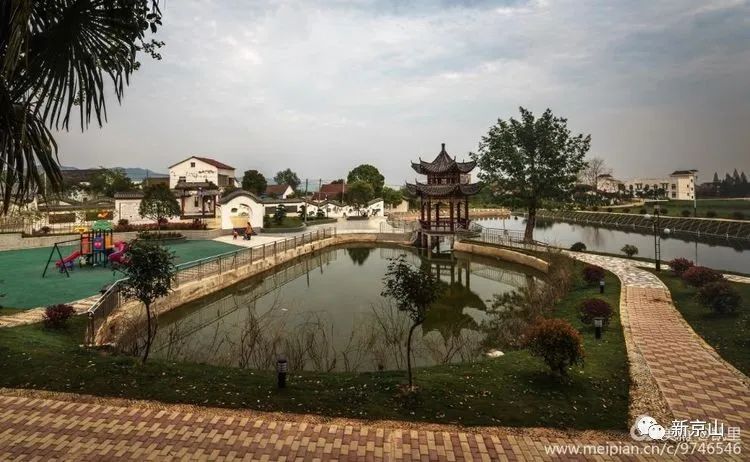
point(281, 369)
point(598, 325)
point(601, 285)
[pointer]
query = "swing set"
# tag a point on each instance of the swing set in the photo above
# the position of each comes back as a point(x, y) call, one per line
point(94, 247)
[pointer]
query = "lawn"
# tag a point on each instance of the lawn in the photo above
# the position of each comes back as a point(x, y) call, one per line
point(513, 390)
point(287, 222)
point(727, 334)
point(724, 208)
point(22, 283)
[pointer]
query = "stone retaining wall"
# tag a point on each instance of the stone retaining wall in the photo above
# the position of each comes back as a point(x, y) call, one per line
point(503, 254)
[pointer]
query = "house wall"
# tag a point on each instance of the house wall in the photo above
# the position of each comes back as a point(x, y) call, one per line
point(239, 206)
point(685, 187)
point(201, 172)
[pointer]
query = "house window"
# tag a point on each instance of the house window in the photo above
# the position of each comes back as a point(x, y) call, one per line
point(195, 201)
point(674, 186)
point(192, 164)
point(674, 194)
point(181, 179)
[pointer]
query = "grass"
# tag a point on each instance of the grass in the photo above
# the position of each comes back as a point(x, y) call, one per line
point(513, 390)
point(726, 333)
point(22, 283)
point(724, 208)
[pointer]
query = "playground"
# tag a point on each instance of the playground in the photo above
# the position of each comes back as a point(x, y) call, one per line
point(21, 272)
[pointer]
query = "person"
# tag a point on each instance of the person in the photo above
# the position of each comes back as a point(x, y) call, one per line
point(234, 234)
point(248, 231)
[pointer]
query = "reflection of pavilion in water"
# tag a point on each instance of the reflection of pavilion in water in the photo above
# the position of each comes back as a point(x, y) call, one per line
point(245, 296)
point(454, 269)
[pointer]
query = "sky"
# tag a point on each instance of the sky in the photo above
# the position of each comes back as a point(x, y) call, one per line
point(322, 86)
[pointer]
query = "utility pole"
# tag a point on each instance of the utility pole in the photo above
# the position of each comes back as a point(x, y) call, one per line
point(304, 207)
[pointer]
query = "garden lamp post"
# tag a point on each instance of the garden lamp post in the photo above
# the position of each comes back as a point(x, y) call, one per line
point(598, 325)
point(281, 370)
point(656, 227)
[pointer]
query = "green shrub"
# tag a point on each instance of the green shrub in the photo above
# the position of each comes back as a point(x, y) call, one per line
point(56, 316)
point(557, 343)
point(578, 247)
point(58, 218)
point(595, 308)
point(698, 276)
point(626, 210)
point(686, 213)
point(592, 274)
point(643, 211)
point(663, 211)
point(629, 250)
point(595, 208)
point(711, 214)
point(720, 297)
point(609, 209)
point(738, 215)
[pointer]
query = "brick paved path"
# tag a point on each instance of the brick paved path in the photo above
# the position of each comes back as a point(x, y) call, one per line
point(694, 381)
point(73, 431)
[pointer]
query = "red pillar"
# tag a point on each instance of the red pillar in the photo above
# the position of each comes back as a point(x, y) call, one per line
point(437, 214)
point(452, 204)
point(429, 214)
point(466, 210)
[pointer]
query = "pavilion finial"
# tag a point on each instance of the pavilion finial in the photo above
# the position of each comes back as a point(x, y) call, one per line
point(443, 149)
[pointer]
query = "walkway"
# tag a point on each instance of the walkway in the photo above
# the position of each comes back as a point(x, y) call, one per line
point(691, 377)
point(66, 430)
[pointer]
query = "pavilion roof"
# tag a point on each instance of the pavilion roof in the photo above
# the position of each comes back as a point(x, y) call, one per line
point(442, 190)
point(443, 163)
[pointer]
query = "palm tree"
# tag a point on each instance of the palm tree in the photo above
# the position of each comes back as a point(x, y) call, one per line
point(57, 55)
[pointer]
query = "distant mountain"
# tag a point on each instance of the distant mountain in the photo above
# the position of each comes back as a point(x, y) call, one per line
point(134, 173)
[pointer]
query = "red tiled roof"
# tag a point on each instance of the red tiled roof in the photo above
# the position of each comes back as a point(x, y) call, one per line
point(207, 160)
point(276, 189)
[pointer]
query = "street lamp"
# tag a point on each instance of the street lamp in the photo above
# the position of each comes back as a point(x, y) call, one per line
point(656, 227)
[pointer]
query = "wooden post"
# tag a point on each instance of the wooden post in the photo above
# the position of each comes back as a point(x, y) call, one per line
point(452, 204)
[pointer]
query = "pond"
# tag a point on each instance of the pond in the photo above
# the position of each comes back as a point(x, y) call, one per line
point(325, 312)
point(563, 234)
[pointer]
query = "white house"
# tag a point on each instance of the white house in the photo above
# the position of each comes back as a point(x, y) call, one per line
point(199, 181)
point(279, 191)
point(679, 185)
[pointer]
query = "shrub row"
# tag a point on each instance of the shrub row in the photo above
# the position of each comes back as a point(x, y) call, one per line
point(713, 291)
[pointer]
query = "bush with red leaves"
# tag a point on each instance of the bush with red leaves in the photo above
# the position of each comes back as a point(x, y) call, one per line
point(698, 276)
point(593, 274)
point(680, 265)
point(557, 342)
point(595, 308)
point(55, 316)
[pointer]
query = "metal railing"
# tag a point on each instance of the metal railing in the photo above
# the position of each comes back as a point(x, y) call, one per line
point(503, 237)
point(197, 270)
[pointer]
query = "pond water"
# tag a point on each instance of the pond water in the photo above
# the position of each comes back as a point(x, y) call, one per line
point(325, 312)
point(564, 235)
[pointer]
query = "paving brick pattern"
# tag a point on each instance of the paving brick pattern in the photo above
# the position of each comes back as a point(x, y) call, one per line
point(695, 382)
point(57, 430)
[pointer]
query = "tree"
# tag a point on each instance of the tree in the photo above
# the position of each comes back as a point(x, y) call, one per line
point(107, 182)
point(359, 194)
point(532, 159)
point(413, 290)
point(159, 203)
point(56, 56)
point(254, 182)
point(150, 272)
point(279, 214)
point(392, 197)
point(287, 177)
point(368, 174)
point(590, 174)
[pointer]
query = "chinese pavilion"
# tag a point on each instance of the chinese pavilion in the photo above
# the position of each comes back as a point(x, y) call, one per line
point(444, 199)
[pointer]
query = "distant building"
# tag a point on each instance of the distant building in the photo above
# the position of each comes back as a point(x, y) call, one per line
point(280, 191)
point(679, 185)
point(330, 192)
point(198, 182)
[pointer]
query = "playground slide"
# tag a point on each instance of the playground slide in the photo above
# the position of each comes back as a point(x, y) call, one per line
point(119, 253)
point(69, 259)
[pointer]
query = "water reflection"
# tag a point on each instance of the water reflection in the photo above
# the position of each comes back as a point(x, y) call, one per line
point(325, 312)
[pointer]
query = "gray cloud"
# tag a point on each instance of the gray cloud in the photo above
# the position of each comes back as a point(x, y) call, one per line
point(323, 86)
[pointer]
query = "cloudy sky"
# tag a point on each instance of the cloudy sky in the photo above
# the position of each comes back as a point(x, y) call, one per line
point(323, 86)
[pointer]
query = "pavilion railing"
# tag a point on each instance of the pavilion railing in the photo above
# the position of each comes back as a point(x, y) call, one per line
point(113, 297)
point(502, 237)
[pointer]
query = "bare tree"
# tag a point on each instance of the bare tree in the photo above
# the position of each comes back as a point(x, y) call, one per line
point(595, 167)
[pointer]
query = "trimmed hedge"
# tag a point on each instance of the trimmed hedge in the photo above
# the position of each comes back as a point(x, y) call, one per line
point(557, 343)
point(698, 276)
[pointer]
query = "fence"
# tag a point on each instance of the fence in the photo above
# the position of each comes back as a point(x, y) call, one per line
point(113, 298)
point(693, 227)
point(503, 237)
